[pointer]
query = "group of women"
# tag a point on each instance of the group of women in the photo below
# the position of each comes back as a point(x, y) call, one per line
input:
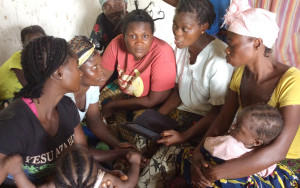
point(194, 83)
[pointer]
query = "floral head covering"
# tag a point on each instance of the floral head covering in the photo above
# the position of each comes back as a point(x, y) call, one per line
point(253, 22)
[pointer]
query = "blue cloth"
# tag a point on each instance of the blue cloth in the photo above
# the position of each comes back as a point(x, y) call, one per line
point(220, 10)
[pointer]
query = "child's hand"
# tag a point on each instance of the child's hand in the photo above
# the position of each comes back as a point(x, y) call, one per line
point(13, 164)
point(134, 157)
point(108, 184)
point(120, 174)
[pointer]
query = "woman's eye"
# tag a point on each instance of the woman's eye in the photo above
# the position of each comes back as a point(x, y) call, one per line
point(185, 29)
point(146, 36)
point(132, 36)
point(95, 67)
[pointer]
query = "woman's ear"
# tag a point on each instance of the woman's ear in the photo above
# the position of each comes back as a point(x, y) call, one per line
point(257, 43)
point(57, 75)
point(204, 27)
point(258, 142)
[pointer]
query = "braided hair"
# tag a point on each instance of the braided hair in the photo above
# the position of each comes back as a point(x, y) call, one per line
point(265, 120)
point(75, 168)
point(140, 15)
point(203, 9)
point(33, 29)
point(39, 59)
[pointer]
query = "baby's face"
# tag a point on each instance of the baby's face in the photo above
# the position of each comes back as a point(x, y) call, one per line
point(242, 133)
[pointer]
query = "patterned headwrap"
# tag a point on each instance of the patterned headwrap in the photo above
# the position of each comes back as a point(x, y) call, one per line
point(83, 47)
point(252, 22)
point(103, 1)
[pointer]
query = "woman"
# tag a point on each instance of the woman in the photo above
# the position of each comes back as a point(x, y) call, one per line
point(145, 65)
point(42, 122)
point(32, 125)
point(87, 98)
point(201, 84)
point(107, 25)
point(259, 79)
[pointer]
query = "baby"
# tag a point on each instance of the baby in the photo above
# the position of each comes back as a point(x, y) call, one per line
point(256, 125)
point(77, 168)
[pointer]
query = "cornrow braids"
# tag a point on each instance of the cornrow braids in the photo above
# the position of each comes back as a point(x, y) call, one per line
point(39, 59)
point(203, 10)
point(33, 29)
point(265, 120)
point(75, 169)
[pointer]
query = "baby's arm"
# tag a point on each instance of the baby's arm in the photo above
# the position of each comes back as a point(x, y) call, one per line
point(134, 159)
point(13, 165)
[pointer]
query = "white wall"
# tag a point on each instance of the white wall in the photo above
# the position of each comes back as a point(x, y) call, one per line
point(63, 18)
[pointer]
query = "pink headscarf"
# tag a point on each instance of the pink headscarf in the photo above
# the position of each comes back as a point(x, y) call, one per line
point(252, 22)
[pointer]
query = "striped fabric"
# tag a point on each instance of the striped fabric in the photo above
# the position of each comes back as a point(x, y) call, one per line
point(287, 46)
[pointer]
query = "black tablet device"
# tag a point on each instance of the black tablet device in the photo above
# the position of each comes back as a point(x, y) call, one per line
point(151, 124)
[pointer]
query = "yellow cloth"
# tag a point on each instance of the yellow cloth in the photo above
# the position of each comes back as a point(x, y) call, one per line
point(9, 83)
point(286, 93)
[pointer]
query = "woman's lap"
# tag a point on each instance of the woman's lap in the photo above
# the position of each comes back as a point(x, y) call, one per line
point(283, 176)
point(161, 168)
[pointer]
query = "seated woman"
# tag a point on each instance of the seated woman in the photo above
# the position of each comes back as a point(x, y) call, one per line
point(145, 65)
point(12, 76)
point(87, 98)
point(201, 84)
point(256, 125)
point(42, 122)
point(259, 79)
point(32, 126)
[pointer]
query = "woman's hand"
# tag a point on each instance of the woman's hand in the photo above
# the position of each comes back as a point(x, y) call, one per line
point(13, 164)
point(108, 109)
point(119, 174)
point(108, 184)
point(198, 165)
point(171, 137)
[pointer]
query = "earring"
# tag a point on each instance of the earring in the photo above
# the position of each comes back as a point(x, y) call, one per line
point(60, 78)
point(202, 32)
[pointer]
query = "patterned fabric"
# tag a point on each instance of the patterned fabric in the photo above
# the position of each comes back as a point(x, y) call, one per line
point(287, 47)
point(104, 31)
point(112, 92)
point(83, 47)
point(161, 169)
point(252, 22)
point(281, 177)
point(293, 164)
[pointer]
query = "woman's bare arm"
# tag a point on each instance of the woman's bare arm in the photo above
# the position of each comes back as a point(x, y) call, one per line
point(172, 102)
point(20, 75)
point(154, 98)
point(218, 127)
point(97, 126)
point(264, 157)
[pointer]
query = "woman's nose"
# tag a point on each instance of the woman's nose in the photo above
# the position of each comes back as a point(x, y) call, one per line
point(139, 40)
point(177, 32)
